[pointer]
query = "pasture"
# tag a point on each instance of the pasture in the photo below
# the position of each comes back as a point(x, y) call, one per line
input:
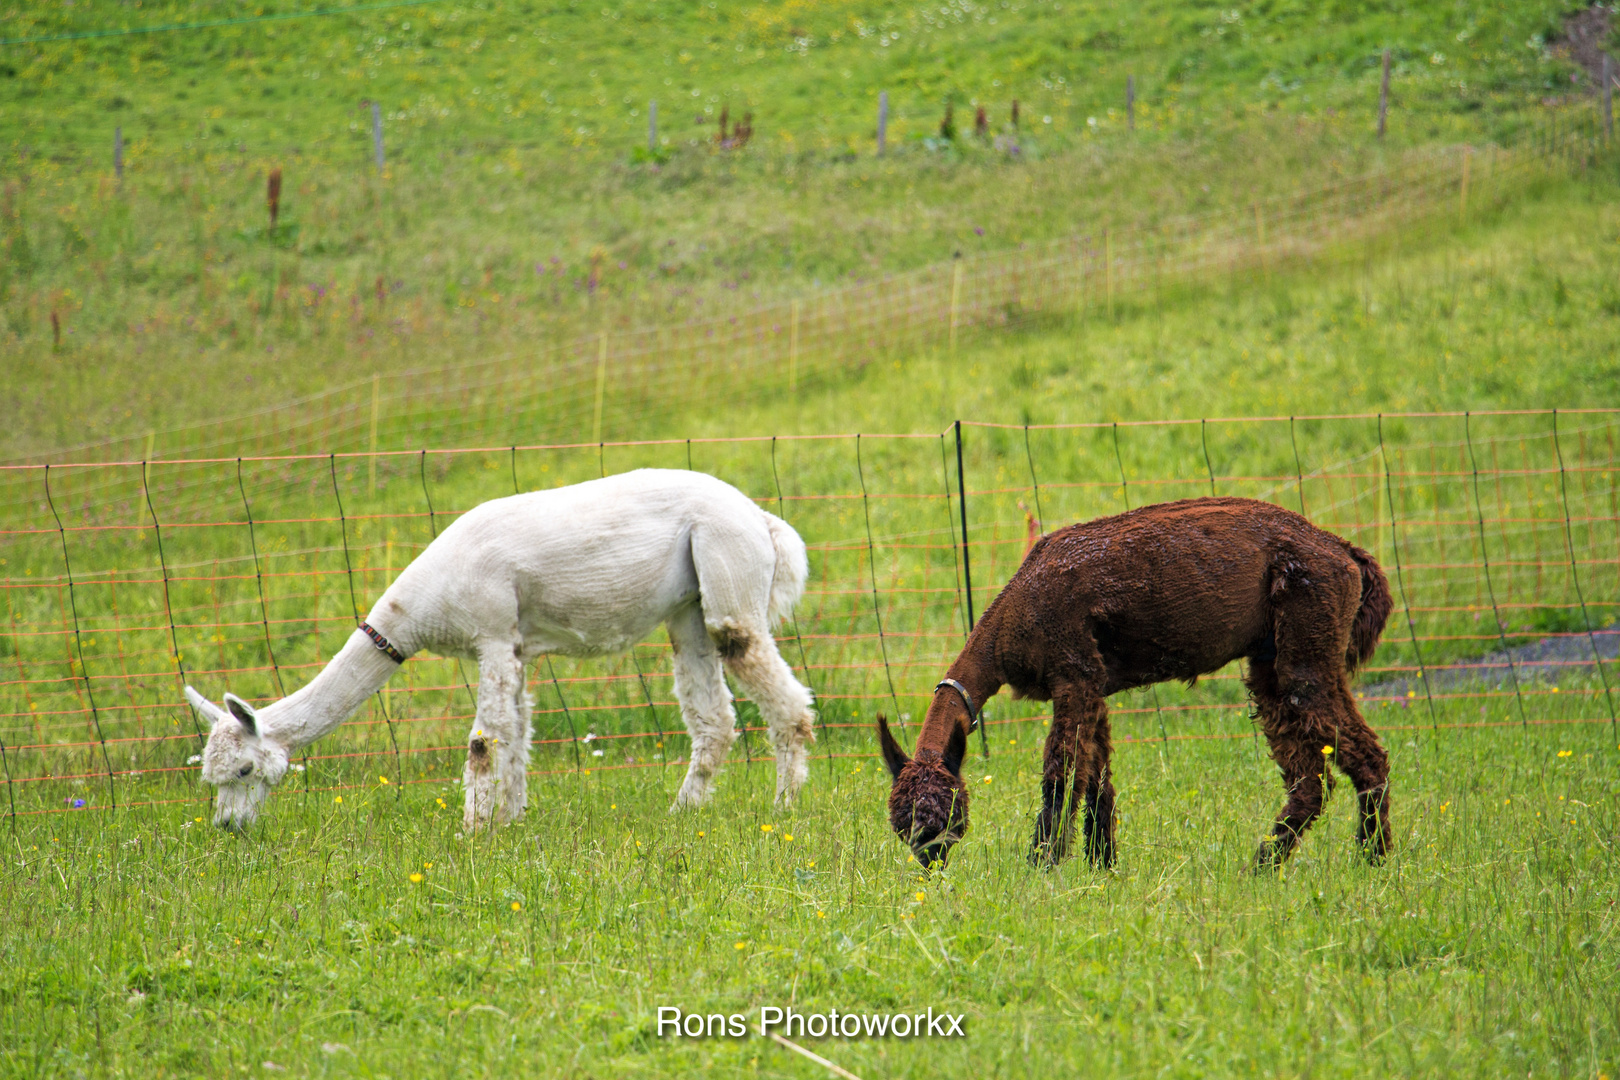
point(251, 429)
point(150, 944)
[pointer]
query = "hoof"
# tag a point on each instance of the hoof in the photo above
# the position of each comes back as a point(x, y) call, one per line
point(1042, 857)
point(1267, 861)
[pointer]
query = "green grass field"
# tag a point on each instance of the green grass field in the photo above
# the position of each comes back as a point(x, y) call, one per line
point(153, 945)
point(355, 933)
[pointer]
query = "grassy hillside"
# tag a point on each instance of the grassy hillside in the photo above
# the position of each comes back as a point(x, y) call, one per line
point(494, 230)
point(485, 76)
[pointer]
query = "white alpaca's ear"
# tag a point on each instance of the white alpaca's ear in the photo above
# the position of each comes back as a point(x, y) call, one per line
point(213, 713)
point(243, 712)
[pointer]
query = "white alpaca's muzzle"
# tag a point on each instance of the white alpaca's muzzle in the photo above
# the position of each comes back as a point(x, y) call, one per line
point(236, 805)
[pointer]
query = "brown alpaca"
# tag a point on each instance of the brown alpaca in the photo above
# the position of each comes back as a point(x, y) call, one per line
point(1172, 591)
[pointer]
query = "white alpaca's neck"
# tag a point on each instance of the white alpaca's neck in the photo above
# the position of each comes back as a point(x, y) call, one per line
point(358, 670)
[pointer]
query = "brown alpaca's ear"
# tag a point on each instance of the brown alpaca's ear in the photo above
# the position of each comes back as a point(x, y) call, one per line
point(956, 750)
point(894, 757)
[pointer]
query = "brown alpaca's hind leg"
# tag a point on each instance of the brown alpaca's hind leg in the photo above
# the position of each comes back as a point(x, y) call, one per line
point(1296, 736)
point(1099, 794)
point(1363, 760)
point(1066, 778)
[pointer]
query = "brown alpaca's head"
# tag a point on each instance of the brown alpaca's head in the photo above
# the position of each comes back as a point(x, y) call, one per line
point(928, 805)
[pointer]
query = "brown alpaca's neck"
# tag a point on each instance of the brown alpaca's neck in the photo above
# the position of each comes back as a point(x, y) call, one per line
point(976, 670)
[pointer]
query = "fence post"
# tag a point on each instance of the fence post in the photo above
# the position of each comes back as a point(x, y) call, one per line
point(354, 606)
point(967, 569)
point(371, 457)
point(1108, 269)
point(793, 349)
point(956, 294)
point(601, 387)
point(1574, 575)
point(1383, 96)
point(1608, 99)
point(1299, 473)
point(376, 133)
point(961, 497)
point(658, 725)
point(573, 734)
point(871, 562)
point(883, 122)
point(1125, 497)
point(1209, 466)
point(804, 663)
point(163, 567)
point(1400, 577)
point(652, 127)
point(1485, 562)
point(118, 152)
point(1130, 102)
point(78, 642)
point(11, 795)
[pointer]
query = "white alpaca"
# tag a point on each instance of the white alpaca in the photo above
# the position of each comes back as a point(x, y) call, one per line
point(579, 570)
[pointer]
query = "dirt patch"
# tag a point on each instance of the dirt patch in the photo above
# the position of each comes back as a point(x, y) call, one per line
point(1548, 662)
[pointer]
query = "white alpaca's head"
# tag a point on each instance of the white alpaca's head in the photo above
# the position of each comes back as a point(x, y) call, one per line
point(239, 761)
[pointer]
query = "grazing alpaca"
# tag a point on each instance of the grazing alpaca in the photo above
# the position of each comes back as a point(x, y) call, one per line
point(579, 570)
point(1172, 591)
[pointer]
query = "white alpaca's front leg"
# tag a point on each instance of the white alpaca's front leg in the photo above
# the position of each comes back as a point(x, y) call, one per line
point(498, 746)
point(700, 687)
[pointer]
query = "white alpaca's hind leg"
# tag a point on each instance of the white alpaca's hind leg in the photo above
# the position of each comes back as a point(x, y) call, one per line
point(512, 793)
point(700, 687)
point(498, 735)
point(752, 658)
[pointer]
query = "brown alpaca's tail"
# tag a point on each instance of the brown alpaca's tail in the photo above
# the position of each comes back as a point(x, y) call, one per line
point(1376, 605)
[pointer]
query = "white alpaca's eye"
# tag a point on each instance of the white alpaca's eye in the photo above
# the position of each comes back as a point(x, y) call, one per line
point(244, 770)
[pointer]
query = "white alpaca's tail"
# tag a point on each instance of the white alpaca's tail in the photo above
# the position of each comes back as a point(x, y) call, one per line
point(792, 568)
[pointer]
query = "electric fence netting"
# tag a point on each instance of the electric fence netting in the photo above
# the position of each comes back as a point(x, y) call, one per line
point(1500, 534)
point(620, 371)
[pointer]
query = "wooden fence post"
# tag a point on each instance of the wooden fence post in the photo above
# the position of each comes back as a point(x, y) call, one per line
point(118, 150)
point(1608, 98)
point(601, 388)
point(1130, 102)
point(956, 295)
point(793, 349)
point(1108, 269)
point(883, 122)
point(652, 127)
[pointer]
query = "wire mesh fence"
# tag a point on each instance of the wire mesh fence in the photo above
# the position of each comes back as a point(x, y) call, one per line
point(1500, 534)
point(609, 380)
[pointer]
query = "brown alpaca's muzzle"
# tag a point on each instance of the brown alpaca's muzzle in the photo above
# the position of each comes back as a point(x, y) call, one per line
point(928, 804)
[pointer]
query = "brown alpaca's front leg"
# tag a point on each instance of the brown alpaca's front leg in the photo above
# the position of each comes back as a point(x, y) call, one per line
point(1068, 750)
